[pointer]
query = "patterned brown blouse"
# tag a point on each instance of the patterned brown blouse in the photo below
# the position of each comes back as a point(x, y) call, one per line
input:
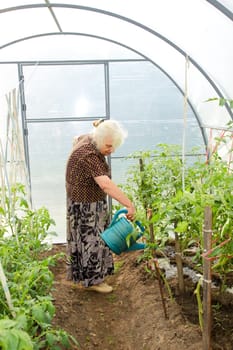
point(85, 162)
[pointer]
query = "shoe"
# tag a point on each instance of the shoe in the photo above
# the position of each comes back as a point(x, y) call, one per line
point(101, 288)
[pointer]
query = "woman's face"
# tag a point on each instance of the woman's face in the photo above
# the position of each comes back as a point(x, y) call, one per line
point(107, 148)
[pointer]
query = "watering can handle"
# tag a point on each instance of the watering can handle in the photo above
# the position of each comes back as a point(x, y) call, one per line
point(117, 213)
point(125, 211)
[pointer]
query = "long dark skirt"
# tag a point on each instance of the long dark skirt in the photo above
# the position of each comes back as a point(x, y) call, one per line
point(89, 258)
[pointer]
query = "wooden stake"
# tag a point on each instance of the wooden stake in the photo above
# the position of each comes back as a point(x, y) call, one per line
point(6, 290)
point(141, 167)
point(156, 264)
point(207, 310)
point(158, 273)
point(151, 228)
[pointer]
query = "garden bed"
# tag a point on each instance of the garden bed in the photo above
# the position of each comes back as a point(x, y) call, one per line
point(132, 317)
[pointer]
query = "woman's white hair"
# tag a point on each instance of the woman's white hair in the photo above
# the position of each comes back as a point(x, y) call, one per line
point(108, 128)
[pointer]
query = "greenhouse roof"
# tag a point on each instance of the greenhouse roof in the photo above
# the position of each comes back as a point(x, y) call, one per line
point(167, 33)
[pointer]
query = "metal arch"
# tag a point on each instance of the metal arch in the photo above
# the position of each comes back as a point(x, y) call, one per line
point(221, 8)
point(138, 24)
point(53, 15)
point(125, 46)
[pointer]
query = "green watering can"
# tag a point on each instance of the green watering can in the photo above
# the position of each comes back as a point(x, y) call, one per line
point(115, 235)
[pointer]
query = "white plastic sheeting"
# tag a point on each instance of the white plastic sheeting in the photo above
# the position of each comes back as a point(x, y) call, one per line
point(164, 32)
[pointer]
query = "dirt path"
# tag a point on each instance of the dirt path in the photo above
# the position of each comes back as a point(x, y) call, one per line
point(130, 318)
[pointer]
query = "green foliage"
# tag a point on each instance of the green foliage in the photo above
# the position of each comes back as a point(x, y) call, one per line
point(12, 337)
point(29, 278)
point(221, 101)
point(178, 193)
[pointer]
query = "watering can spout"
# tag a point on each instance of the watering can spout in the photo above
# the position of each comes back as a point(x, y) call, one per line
point(136, 246)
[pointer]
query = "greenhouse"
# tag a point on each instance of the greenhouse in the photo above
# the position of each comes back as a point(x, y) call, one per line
point(163, 70)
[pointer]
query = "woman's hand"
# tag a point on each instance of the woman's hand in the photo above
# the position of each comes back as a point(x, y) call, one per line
point(131, 212)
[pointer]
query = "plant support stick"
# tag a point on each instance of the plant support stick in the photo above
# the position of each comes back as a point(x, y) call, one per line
point(207, 314)
point(6, 290)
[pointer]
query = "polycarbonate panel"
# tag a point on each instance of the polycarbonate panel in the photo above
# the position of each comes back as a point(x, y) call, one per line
point(49, 147)
point(65, 47)
point(24, 23)
point(151, 108)
point(9, 79)
point(227, 3)
point(182, 22)
point(61, 91)
point(12, 3)
point(200, 91)
point(8, 82)
point(200, 42)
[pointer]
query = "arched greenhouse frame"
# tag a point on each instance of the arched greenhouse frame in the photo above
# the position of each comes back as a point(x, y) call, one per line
point(163, 69)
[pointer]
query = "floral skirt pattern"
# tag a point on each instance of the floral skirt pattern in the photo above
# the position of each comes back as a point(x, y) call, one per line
point(89, 258)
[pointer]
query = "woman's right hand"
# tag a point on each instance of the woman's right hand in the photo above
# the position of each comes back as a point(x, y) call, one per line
point(131, 212)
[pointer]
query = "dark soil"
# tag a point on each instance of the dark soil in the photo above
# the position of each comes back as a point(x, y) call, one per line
point(133, 316)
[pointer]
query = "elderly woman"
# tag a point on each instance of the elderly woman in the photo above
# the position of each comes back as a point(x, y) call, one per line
point(88, 182)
